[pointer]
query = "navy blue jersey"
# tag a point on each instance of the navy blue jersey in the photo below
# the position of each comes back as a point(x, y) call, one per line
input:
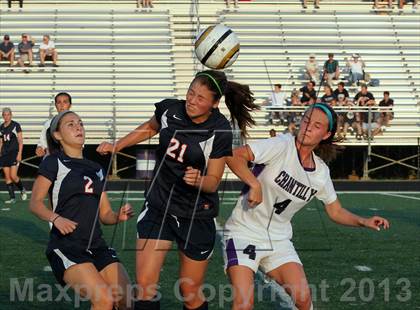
point(183, 143)
point(9, 137)
point(76, 189)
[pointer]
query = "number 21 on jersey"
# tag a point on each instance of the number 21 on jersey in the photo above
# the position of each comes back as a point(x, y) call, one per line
point(176, 150)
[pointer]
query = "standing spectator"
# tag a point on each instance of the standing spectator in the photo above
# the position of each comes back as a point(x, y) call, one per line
point(312, 69)
point(305, 4)
point(331, 69)
point(308, 93)
point(47, 51)
point(276, 99)
point(11, 146)
point(62, 103)
point(401, 4)
point(7, 50)
point(328, 97)
point(376, 4)
point(25, 51)
point(363, 98)
point(9, 4)
point(357, 67)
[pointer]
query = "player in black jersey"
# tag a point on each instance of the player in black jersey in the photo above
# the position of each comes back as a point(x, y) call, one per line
point(78, 254)
point(182, 200)
point(11, 145)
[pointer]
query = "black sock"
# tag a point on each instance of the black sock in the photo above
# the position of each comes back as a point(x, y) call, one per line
point(19, 185)
point(204, 306)
point(147, 305)
point(11, 190)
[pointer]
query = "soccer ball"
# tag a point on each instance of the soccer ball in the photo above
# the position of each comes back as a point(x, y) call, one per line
point(217, 47)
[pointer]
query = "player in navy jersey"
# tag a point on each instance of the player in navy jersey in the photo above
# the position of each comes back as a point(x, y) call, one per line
point(78, 255)
point(11, 145)
point(182, 200)
point(288, 174)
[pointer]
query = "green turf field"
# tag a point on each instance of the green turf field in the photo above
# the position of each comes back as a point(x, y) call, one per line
point(329, 253)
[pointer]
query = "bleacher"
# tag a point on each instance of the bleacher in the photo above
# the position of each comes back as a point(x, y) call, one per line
point(116, 61)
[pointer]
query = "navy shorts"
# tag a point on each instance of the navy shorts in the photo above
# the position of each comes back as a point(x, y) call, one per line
point(9, 159)
point(63, 258)
point(195, 238)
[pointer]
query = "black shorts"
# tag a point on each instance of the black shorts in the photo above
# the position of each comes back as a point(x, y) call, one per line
point(9, 159)
point(63, 258)
point(198, 244)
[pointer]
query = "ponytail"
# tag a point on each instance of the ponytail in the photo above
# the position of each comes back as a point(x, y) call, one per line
point(238, 97)
point(53, 146)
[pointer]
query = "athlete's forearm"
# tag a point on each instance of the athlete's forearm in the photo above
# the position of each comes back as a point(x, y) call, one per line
point(239, 167)
point(109, 218)
point(209, 183)
point(140, 134)
point(344, 217)
point(41, 211)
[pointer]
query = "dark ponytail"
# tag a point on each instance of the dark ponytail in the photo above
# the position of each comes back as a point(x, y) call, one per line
point(238, 97)
point(53, 146)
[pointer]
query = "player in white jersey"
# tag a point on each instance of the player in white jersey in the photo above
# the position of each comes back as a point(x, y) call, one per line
point(288, 174)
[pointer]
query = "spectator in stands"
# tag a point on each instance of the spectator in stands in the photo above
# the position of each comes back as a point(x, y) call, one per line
point(235, 2)
point(312, 69)
point(331, 69)
point(305, 4)
point(25, 51)
point(401, 4)
point(386, 116)
point(357, 67)
point(145, 3)
point(346, 120)
point(328, 96)
point(363, 98)
point(47, 51)
point(293, 117)
point(341, 94)
point(9, 3)
point(276, 99)
point(308, 93)
point(62, 103)
point(376, 4)
point(7, 50)
point(272, 133)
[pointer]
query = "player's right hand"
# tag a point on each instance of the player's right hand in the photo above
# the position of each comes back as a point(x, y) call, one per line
point(105, 148)
point(255, 196)
point(40, 152)
point(65, 226)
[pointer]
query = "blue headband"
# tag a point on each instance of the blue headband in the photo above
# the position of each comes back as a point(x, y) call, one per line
point(327, 112)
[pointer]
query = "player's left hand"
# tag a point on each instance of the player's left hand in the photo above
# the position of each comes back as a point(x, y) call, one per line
point(126, 212)
point(192, 176)
point(19, 158)
point(375, 223)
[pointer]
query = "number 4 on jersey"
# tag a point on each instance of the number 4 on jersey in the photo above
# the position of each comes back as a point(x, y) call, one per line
point(281, 206)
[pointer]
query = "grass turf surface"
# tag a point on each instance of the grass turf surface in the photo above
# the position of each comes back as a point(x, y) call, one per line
point(328, 251)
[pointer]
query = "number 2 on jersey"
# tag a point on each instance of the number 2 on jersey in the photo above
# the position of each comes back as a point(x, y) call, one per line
point(88, 185)
point(173, 148)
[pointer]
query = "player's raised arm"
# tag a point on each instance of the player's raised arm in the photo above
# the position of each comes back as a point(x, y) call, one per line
point(141, 133)
point(344, 217)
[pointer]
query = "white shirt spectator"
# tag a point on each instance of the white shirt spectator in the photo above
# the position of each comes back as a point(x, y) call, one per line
point(277, 99)
point(49, 45)
point(356, 67)
point(42, 142)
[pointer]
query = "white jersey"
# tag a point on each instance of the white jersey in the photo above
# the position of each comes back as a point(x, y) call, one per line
point(42, 142)
point(286, 186)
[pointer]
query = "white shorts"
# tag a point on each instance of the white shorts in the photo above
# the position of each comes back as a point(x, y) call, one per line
point(258, 254)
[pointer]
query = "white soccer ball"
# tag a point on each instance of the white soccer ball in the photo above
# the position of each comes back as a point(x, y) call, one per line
point(217, 47)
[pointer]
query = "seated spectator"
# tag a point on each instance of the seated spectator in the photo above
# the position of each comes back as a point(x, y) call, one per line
point(331, 69)
point(294, 117)
point(25, 51)
point(363, 98)
point(145, 3)
point(308, 93)
point(7, 50)
point(386, 116)
point(276, 99)
point(357, 67)
point(341, 94)
point(312, 69)
point(272, 133)
point(305, 4)
point(328, 97)
point(9, 3)
point(47, 51)
point(376, 4)
point(235, 3)
point(401, 4)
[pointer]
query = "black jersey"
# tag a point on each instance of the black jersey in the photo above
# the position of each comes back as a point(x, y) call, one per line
point(77, 185)
point(9, 137)
point(183, 143)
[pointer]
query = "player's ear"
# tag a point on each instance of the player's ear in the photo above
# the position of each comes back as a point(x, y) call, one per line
point(327, 135)
point(216, 104)
point(57, 136)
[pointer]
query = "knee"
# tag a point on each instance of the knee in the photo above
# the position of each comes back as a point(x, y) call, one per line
point(303, 298)
point(146, 286)
point(103, 301)
point(189, 289)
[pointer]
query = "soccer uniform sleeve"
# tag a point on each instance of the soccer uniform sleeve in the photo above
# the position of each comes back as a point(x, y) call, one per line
point(267, 150)
point(18, 128)
point(327, 194)
point(222, 144)
point(49, 168)
point(161, 107)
